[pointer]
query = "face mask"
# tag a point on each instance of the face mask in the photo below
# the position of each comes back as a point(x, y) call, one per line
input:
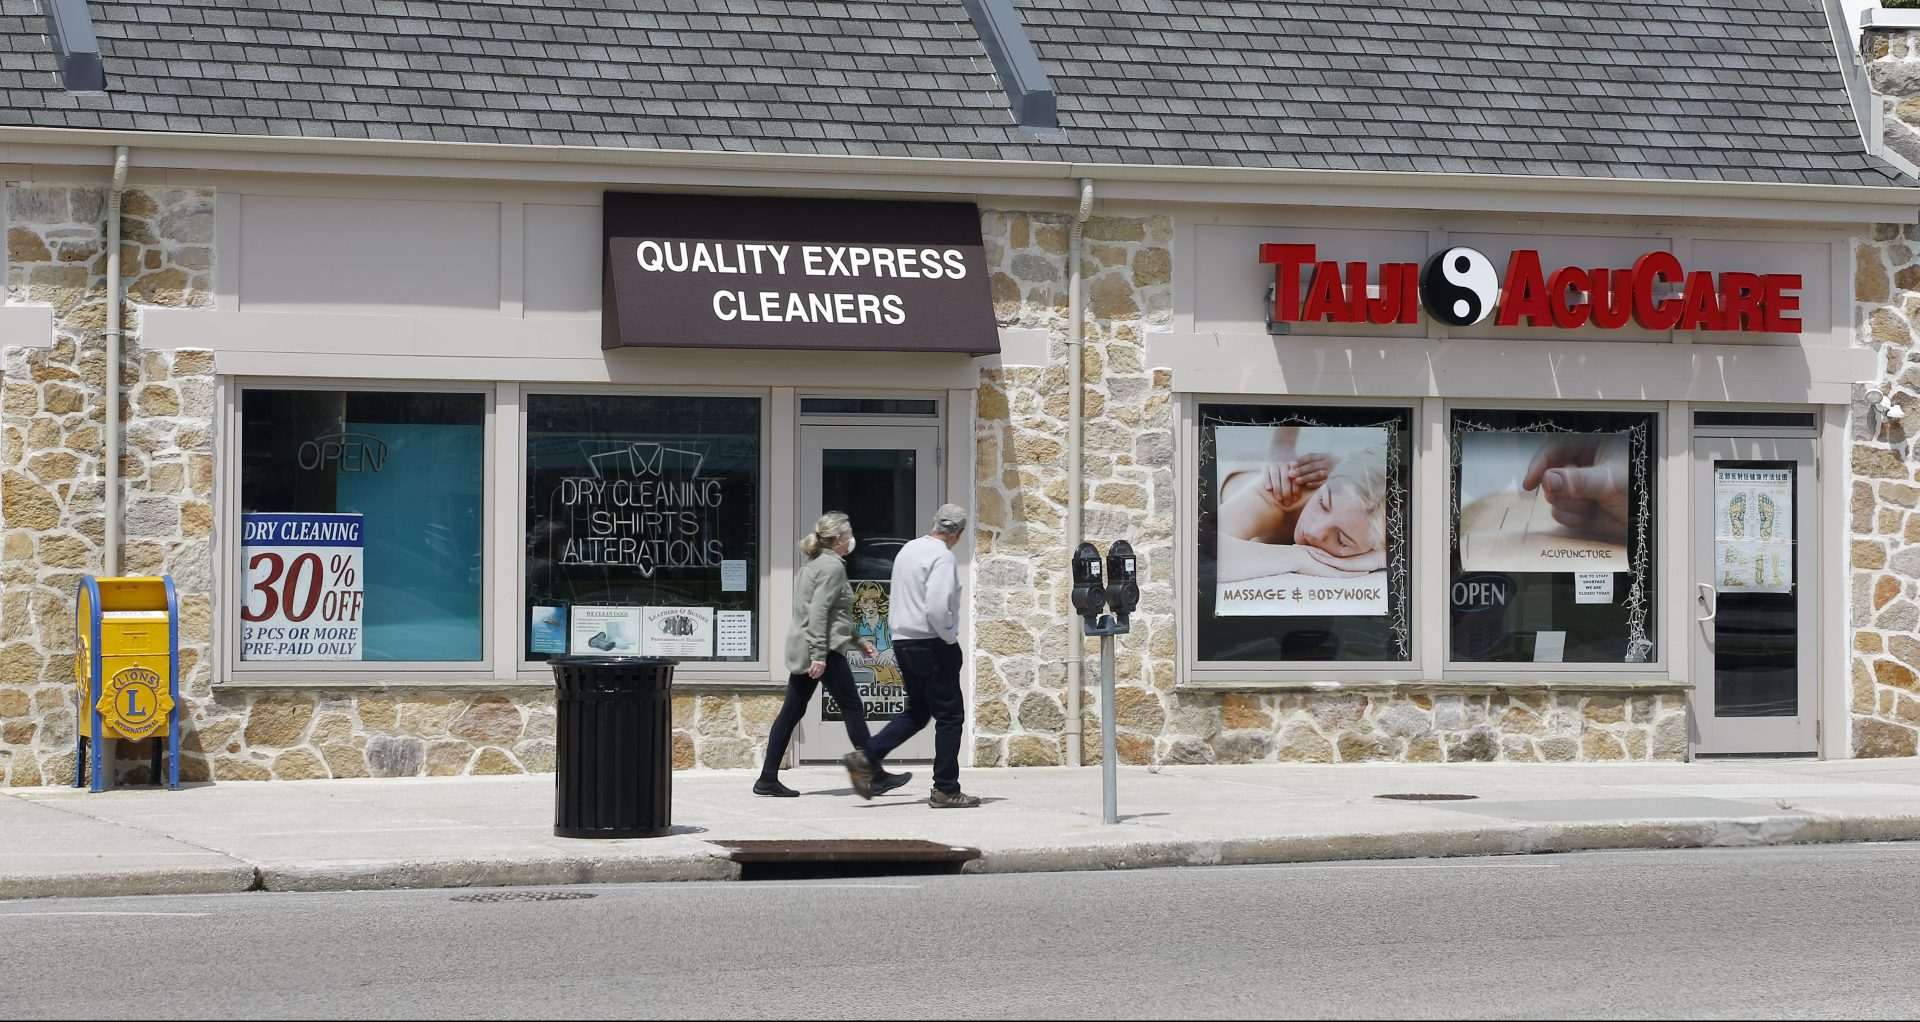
point(852, 543)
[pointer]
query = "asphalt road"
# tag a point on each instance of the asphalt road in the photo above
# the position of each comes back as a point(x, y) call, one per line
point(1771, 932)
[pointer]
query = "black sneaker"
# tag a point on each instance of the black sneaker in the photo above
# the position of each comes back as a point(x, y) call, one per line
point(884, 782)
point(860, 771)
point(763, 786)
point(952, 800)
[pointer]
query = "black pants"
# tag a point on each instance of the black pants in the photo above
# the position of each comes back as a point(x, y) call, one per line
point(930, 669)
point(838, 678)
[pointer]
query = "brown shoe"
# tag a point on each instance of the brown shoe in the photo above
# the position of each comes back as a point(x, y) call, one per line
point(951, 800)
point(860, 771)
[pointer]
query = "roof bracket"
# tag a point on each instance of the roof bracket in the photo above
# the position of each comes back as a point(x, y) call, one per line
point(1028, 91)
point(75, 48)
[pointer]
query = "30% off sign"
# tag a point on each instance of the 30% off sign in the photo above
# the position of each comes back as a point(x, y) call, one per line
point(305, 590)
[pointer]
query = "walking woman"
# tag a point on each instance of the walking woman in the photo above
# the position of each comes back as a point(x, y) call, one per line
point(823, 628)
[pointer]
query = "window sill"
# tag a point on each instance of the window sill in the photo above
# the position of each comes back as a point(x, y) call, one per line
point(1574, 683)
point(442, 683)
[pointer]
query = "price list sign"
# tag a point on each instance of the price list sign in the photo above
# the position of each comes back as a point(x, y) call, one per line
point(305, 594)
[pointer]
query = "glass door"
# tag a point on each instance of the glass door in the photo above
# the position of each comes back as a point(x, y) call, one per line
point(886, 479)
point(1755, 593)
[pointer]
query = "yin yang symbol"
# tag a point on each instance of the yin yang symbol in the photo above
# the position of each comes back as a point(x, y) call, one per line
point(1459, 286)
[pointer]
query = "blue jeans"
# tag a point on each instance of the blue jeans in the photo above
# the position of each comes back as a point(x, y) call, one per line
point(930, 670)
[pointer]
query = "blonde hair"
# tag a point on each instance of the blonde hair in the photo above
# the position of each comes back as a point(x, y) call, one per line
point(1365, 473)
point(831, 526)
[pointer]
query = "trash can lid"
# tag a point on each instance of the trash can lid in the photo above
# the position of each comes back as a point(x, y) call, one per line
point(585, 660)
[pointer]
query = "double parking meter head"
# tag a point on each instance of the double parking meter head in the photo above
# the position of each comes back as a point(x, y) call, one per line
point(1123, 589)
point(1089, 595)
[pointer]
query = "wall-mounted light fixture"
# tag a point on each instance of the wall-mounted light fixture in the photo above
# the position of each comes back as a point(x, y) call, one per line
point(1882, 401)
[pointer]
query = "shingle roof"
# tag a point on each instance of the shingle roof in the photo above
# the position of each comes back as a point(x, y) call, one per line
point(1738, 90)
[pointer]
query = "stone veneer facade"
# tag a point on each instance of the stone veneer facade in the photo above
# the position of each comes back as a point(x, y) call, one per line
point(1885, 505)
point(1021, 618)
point(53, 533)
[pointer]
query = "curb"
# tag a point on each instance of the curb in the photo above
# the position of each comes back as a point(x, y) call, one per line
point(453, 873)
point(182, 880)
point(711, 863)
point(1530, 839)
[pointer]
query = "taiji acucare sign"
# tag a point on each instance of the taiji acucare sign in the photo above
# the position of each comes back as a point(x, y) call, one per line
point(1461, 287)
point(305, 586)
point(747, 272)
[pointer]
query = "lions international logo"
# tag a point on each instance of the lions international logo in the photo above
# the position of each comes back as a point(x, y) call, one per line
point(134, 703)
point(1459, 286)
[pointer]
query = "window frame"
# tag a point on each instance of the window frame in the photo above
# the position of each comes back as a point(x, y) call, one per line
point(730, 672)
point(229, 562)
point(1284, 674)
point(1662, 510)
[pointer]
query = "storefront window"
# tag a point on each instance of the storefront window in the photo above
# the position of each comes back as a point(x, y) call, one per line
point(1553, 536)
point(361, 526)
point(1304, 540)
point(643, 526)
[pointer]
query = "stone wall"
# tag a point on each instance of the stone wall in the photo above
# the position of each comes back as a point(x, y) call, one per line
point(263, 735)
point(51, 427)
point(1021, 583)
point(1021, 588)
point(1885, 504)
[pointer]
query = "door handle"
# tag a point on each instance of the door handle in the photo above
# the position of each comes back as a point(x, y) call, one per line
point(1707, 601)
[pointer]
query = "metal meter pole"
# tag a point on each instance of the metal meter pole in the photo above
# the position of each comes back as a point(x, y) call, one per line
point(1109, 752)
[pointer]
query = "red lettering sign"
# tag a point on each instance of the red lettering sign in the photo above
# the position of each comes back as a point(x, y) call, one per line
point(1657, 292)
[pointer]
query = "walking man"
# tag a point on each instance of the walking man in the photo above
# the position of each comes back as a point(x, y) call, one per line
point(925, 621)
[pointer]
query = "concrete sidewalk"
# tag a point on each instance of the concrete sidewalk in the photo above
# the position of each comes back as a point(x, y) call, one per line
point(457, 832)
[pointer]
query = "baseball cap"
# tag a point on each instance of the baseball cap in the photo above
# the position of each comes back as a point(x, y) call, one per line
point(950, 516)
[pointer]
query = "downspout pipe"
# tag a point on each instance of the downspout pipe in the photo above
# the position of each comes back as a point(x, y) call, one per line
point(115, 337)
point(1076, 345)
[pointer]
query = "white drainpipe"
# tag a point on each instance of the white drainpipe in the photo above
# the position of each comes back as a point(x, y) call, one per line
point(114, 337)
point(1076, 643)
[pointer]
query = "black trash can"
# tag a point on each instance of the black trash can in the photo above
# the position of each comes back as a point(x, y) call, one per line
point(614, 746)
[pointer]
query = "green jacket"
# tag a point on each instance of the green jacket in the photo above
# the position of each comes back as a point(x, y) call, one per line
point(822, 612)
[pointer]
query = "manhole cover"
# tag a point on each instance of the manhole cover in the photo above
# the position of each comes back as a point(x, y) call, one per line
point(525, 896)
point(1428, 798)
point(878, 850)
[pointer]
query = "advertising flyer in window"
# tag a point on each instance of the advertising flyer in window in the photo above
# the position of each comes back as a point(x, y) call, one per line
point(549, 630)
point(305, 586)
point(1544, 502)
point(606, 631)
point(1753, 530)
point(1302, 521)
point(678, 632)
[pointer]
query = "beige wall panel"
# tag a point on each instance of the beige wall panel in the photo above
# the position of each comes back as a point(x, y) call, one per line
point(368, 255)
point(1230, 283)
point(563, 260)
point(1811, 260)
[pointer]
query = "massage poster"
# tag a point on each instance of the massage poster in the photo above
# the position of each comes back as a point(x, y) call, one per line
point(1302, 523)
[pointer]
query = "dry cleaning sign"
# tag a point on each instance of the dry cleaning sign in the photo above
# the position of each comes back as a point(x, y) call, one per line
point(305, 586)
point(705, 271)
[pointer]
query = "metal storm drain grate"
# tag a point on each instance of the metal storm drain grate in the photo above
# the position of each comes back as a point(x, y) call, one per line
point(812, 860)
point(1428, 798)
point(525, 896)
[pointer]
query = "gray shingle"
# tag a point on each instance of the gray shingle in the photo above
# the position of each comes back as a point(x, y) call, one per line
point(1684, 89)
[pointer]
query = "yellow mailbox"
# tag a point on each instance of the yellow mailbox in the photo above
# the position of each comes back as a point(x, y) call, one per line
point(127, 671)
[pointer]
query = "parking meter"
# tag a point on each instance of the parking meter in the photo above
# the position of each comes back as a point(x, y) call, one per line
point(1089, 595)
point(1123, 590)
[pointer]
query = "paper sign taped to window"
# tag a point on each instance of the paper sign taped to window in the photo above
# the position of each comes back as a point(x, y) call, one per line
point(1593, 587)
point(733, 633)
